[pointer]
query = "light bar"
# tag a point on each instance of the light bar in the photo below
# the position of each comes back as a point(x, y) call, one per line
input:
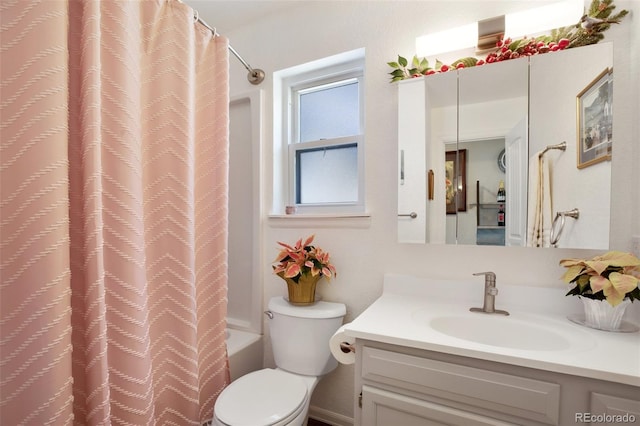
point(532, 22)
point(447, 41)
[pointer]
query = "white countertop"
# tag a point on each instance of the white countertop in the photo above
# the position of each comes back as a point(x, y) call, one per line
point(402, 315)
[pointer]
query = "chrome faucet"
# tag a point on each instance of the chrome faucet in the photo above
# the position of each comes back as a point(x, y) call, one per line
point(490, 292)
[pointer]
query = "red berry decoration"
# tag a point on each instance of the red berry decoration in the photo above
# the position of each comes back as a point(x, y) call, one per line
point(581, 34)
point(508, 49)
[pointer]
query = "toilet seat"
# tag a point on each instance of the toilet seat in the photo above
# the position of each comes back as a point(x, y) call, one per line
point(266, 398)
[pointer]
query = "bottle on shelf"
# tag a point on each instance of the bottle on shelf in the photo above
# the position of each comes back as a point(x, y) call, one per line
point(502, 194)
point(501, 198)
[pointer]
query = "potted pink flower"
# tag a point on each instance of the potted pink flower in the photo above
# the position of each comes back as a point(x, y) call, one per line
point(302, 266)
point(606, 284)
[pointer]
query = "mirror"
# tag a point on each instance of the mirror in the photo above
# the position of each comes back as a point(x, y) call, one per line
point(492, 116)
point(501, 117)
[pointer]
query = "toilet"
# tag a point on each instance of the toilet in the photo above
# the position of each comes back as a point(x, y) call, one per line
point(300, 343)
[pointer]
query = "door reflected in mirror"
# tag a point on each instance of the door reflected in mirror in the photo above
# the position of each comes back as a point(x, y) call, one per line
point(503, 116)
point(455, 174)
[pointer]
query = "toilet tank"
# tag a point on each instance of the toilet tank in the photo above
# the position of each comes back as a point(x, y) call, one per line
point(300, 335)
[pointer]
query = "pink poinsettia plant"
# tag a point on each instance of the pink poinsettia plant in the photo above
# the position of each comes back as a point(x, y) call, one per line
point(302, 259)
point(612, 276)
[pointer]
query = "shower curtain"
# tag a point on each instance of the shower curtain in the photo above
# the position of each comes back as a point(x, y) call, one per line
point(114, 213)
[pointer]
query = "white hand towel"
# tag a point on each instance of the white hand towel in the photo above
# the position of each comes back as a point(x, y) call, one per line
point(540, 207)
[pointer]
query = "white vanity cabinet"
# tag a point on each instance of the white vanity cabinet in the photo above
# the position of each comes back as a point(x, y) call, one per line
point(397, 385)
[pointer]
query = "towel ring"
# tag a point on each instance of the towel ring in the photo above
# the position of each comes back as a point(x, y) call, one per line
point(553, 238)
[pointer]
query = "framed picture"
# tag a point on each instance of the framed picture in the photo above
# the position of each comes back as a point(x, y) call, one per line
point(455, 166)
point(595, 121)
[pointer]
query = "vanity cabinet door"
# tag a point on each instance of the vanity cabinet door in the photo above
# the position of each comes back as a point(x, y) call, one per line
point(412, 186)
point(621, 409)
point(442, 389)
point(384, 408)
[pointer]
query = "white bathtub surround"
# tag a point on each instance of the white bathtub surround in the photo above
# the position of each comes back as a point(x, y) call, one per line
point(427, 314)
point(245, 352)
point(244, 309)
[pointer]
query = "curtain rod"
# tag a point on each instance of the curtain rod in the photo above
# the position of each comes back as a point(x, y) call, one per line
point(255, 75)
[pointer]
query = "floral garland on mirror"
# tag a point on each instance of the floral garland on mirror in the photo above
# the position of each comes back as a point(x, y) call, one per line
point(589, 30)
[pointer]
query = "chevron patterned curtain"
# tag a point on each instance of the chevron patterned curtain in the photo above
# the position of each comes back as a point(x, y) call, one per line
point(114, 213)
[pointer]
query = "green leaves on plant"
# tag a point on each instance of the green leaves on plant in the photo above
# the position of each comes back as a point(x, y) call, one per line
point(599, 9)
point(612, 276)
point(516, 44)
point(402, 71)
point(469, 61)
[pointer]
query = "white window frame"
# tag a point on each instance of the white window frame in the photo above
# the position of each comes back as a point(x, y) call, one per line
point(311, 77)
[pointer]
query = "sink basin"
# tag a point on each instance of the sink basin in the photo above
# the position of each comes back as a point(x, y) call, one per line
point(501, 331)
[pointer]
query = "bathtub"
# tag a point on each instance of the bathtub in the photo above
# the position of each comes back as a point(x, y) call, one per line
point(245, 352)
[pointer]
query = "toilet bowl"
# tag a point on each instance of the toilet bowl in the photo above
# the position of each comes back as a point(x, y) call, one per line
point(268, 397)
point(276, 397)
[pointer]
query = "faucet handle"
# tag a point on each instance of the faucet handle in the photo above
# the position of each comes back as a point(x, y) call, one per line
point(490, 277)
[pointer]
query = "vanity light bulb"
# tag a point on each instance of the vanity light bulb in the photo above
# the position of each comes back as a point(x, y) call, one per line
point(448, 40)
point(531, 22)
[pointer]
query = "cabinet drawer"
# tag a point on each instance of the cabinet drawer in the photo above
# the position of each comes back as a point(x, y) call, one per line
point(383, 408)
point(503, 393)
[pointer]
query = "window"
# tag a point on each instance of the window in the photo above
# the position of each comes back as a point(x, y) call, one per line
point(322, 137)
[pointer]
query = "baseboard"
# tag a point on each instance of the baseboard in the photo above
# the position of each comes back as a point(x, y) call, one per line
point(329, 417)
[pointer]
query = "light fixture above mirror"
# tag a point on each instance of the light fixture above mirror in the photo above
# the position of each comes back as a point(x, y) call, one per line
point(529, 22)
point(532, 22)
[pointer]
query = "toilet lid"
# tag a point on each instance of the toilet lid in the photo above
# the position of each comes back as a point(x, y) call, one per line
point(264, 397)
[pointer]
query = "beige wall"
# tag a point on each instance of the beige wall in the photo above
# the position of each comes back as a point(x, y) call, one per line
point(363, 250)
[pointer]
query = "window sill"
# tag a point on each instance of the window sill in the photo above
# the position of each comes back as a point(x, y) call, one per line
point(329, 220)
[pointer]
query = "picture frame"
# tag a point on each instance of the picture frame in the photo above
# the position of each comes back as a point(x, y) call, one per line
point(455, 167)
point(594, 105)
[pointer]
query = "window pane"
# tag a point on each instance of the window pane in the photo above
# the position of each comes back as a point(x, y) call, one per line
point(327, 175)
point(329, 113)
